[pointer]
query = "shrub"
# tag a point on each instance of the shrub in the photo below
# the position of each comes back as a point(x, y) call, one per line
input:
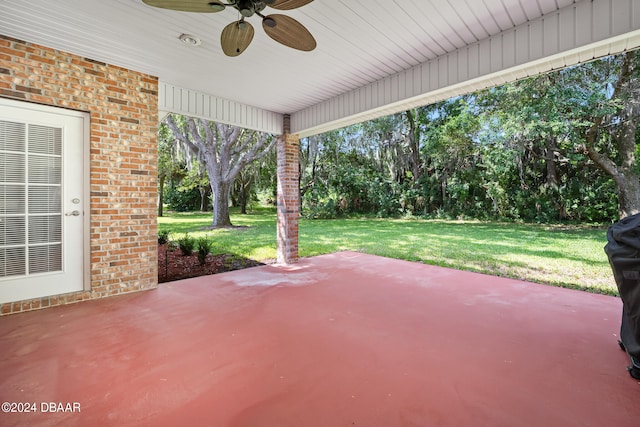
point(186, 244)
point(204, 248)
point(181, 200)
point(323, 210)
point(163, 237)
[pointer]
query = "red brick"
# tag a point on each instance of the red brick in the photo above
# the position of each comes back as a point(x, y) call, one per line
point(40, 74)
point(287, 242)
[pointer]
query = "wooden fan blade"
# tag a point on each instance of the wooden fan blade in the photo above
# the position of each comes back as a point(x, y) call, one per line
point(201, 6)
point(236, 37)
point(290, 33)
point(289, 4)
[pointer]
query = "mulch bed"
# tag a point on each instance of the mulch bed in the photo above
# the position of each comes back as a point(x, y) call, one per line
point(172, 265)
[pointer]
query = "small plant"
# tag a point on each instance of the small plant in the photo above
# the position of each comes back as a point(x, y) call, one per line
point(203, 246)
point(234, 262)
point(186, 244)
point(163, 237)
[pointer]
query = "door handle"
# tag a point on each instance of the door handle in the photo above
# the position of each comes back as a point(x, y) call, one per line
point(73, 213)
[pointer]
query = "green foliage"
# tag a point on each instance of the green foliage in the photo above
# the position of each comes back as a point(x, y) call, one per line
point(560, 255)
point(182, 200)
point(186, 244)
point(322, 209)
point(203, 247)
point(516, 152)
point(163, 236)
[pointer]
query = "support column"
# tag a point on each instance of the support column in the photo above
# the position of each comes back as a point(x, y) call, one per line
point(288, 194)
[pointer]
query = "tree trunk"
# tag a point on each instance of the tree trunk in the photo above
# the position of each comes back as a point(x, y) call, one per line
point(624, 173)
point(626, 179)
point(414, 146)
point(221, 192)
point(241, 191)
point(300, 191)
point(627, 183)
point(203, 199)
point(443, 191)
point(243, 204)
point(161, 195)
point(550, 162)
point(246, 195)
point(628, 195)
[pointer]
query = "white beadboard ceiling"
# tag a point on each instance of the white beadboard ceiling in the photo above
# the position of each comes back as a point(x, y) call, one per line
point(359, 43)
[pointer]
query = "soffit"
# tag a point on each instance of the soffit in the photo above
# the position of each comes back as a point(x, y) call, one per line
point(359, 42)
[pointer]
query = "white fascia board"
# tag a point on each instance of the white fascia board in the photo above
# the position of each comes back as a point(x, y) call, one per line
point(174, 99)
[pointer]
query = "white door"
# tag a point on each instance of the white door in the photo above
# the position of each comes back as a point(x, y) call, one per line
point(42, 206)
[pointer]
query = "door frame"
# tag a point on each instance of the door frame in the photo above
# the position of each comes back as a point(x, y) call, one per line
point(86, 174)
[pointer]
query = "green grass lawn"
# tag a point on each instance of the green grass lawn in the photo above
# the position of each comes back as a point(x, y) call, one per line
point(568, 256)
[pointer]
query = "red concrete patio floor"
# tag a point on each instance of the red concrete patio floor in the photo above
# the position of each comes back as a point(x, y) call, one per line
point(336, 340)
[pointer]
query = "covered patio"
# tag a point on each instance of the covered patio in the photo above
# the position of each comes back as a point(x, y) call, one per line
point(121, 66)
point(336, 340)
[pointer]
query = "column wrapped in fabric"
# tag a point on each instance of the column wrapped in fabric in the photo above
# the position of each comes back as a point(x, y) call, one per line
point(623, 250)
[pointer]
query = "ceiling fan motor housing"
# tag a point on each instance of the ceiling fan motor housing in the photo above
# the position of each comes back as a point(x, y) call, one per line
point(248, 7)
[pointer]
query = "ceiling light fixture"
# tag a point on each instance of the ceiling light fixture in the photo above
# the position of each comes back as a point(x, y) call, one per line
point(189, 40)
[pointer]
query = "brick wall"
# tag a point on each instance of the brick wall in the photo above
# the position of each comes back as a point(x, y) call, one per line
point(123, 152)
point(288, 198)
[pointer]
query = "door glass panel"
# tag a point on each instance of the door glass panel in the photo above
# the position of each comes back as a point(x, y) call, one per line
point(45, 140)
point(12, 167)
point(45, 229)
point(45, 169)
point(12, 231)
point(44, 259)
point(30, 199)
point(12, 263)
point(12, 136)
point(12, 199)
point(44, 199)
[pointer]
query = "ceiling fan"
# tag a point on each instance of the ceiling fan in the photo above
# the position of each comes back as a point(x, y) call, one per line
point(237, 36)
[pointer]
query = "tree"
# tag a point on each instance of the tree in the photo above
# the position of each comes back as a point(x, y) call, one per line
point(610, 132)
point(555, 147)
point(535, 127)
point(170, 163)
point(577, 131)
point(413, 136)
point(197, 178)
point(450, 154)
point(224, 151)
point(242, 188)
point(165, 167)
point(307, 159)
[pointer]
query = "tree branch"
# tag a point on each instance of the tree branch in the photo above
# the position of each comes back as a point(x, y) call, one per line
point(180, 135)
